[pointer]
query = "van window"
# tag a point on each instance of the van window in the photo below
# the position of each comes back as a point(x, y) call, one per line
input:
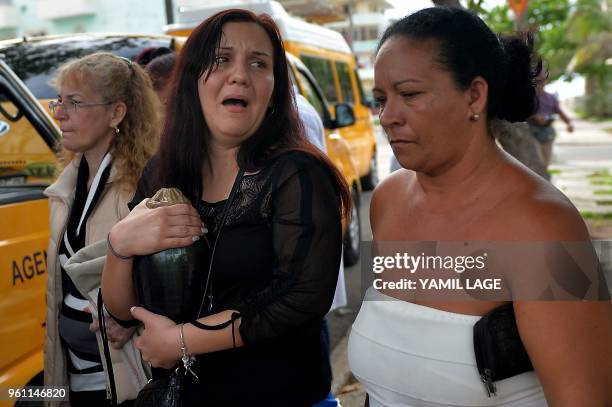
point(344, 75)
point(311, 94)
point(362, 96)
point(19, 152)
point(321, 69)
point(36, 63)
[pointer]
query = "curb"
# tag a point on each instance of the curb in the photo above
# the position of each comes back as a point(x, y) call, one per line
point(341, 372)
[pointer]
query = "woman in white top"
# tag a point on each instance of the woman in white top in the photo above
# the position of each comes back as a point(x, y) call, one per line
point(441, 76)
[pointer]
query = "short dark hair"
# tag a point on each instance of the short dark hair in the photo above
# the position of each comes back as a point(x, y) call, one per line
point(160, 70)
point(185, 138)
point(467, 48)
point(149, 54)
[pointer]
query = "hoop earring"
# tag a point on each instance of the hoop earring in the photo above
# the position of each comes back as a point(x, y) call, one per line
point(474, 117)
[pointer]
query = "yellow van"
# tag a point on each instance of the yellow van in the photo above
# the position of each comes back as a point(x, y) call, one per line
point(329, 59)
point(338, 148)
point(24, 233)
point(27, 164)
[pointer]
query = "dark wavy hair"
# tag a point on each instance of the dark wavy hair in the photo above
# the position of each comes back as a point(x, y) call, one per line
point(185, 137)
point(467, 48)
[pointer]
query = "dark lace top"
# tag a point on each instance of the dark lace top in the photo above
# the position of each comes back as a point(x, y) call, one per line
point(277, 264)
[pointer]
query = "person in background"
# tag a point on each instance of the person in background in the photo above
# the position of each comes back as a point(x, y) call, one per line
point(313, 125)
point(231, 125)
point(149, 54)
point(441, 75)
point(541, 123)
point(160, 70)
point(107, 111)
point(315, 133)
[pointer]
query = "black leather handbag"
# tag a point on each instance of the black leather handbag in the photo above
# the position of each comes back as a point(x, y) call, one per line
point(171, 282)
point(166, 391)
point(500, 353)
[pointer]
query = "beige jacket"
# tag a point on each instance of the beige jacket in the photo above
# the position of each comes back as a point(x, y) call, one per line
point(111, 207)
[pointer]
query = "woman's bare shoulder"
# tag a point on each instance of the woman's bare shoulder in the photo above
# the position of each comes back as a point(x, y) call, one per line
point(390, 191)
point(536, 210)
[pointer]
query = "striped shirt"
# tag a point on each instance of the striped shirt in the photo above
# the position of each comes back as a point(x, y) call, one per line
point(85, 369)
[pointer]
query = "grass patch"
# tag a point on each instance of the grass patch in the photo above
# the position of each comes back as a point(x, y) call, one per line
point(604, 202)
point(376, 121)
point(554, 172)
point(600, 173)
point(608, 130)
point(602, 181)
point(602, 192)
point(596, 216)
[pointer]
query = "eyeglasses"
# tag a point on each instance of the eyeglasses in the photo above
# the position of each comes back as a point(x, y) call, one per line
point(73, 105)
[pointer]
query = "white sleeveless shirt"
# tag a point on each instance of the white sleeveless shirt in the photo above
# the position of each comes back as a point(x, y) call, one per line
point(411, 355)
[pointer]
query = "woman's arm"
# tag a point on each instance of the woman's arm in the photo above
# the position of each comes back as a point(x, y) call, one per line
point(569, 346)
point(568, 341)
point(143, 231)
point(307, 246)
point(160, 342)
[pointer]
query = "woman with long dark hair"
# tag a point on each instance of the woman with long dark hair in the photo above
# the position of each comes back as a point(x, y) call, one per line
point(231, 112)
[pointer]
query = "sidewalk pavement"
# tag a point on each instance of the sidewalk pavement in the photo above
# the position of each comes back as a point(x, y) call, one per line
point(585, 132)
point(586, 182)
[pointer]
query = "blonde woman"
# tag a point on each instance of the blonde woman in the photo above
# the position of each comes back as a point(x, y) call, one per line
point(107, 112)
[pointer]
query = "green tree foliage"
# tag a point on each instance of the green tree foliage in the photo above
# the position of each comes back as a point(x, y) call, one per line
point(548, 19)
point(572, 37)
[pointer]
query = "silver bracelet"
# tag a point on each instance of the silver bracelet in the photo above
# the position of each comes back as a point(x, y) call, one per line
point(117, 255)
point(185, 357)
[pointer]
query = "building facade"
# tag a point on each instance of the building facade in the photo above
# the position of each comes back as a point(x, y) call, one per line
point(363, 32)
point(20, 18)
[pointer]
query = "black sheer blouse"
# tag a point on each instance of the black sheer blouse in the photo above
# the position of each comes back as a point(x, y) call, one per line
point(277, 264)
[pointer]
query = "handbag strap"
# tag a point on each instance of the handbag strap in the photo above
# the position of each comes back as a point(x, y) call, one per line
point(230, 199)
point(107, 357)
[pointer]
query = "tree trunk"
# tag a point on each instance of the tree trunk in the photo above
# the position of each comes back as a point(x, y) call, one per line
point(447, 3)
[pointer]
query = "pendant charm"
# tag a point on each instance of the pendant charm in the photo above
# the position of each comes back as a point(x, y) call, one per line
point(210, 302)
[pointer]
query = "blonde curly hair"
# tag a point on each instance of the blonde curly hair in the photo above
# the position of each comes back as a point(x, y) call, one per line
point(117, 79)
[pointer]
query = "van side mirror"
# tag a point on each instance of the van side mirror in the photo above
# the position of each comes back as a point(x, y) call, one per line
point(345, 115)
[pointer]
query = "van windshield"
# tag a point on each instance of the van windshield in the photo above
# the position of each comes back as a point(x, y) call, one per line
point(36, 62)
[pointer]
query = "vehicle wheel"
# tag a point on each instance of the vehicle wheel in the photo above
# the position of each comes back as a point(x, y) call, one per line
point(352, 237)
point(369, 181)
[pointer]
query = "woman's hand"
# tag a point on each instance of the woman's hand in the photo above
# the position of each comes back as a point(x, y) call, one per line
point(145, 231)
point(160, 341)
point(117, 335)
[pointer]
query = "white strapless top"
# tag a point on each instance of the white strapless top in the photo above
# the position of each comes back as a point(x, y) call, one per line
point(410, 355)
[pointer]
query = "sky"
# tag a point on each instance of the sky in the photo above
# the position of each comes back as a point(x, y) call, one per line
point(564, 90)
